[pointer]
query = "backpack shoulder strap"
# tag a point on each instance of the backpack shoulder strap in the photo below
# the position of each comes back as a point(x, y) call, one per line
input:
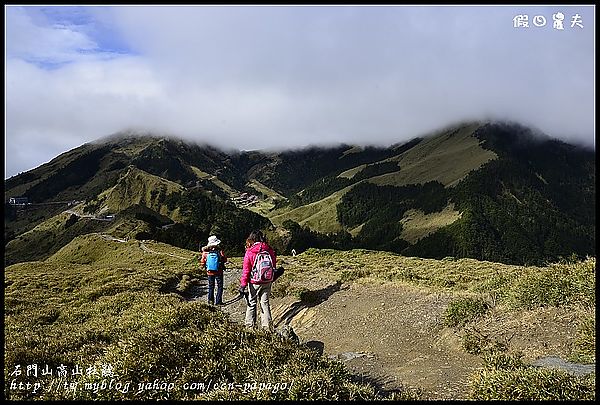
point(221, 261)
point(255, 260)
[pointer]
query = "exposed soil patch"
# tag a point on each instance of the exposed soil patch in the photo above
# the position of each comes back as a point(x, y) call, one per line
point(198, 291)
point(545, 331)
point(392, 335)
point(388, 333)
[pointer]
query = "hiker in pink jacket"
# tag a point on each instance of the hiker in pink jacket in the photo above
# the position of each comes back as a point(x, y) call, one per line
point(258, 274)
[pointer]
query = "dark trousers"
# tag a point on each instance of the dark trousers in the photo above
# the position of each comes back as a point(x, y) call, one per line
point(211, 289)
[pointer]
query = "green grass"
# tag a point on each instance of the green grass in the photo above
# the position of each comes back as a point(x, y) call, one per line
point(123, 308)
point(464, 310)
point(446, 159)
point(48, 237)
point(585, 344)
point(136, 186)
point(417, 225)
point(320, 216)
point(261, 188)
point(98, 302)
point(556, 285)
point(506, 377)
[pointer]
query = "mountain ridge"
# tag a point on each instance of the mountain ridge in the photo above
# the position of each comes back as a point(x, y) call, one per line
point(503, 179)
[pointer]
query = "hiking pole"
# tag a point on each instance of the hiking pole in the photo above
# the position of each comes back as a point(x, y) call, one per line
point(236, 299)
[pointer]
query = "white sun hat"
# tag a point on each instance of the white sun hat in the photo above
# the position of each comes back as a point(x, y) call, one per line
point(213, 241)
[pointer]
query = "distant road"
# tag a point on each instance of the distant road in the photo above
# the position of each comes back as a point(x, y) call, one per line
point(72, 202)
point(147, 249)
point(95, 218)
point(112, 238)
point(142, 246)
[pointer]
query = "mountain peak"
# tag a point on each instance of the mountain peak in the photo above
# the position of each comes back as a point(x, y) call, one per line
point(466, 187)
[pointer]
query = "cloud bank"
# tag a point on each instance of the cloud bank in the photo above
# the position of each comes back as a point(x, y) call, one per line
point(278, 77)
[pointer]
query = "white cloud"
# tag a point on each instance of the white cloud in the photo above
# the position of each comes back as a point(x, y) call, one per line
point(275, 77)
point(57, 43)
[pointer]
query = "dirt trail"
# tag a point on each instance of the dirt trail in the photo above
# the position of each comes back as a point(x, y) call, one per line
point(391, 336)
point(231, 276)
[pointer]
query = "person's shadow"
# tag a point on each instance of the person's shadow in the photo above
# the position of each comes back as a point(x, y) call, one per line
point(316, 345)
point(197, 288)
point(309, 299)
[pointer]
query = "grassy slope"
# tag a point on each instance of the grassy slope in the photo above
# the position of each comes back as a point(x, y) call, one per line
point(352, 149)
point(24, 181)
point(200, 174)
point(20, 184)
point(132, 147)
point(134, 187)
point(106, 174)
point(138, 187)
point(264, 207)
point(446, 158)
point(258, 186)
point(500, 312)
point(230, 191)
point(49, 236)
point(417, 225)
point(348, 174)
point(100, 302)
point(320, 216)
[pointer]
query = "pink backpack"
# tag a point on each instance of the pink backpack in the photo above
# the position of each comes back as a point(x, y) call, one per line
point(262, 271)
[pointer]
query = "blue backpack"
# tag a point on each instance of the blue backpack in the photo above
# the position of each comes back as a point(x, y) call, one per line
point(212, 261)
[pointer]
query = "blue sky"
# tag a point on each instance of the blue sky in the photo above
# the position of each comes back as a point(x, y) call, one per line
point(264, 77)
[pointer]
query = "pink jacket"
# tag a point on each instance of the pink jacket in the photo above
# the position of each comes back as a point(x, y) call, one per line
point(249, 257)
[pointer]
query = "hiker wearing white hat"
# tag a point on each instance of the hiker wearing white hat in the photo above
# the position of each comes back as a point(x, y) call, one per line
point(213, 260)
point(213, 241)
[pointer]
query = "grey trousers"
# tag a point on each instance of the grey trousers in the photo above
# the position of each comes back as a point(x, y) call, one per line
point(258, 293)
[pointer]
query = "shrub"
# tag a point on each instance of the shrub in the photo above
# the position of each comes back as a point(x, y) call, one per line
point(556, 285)
point(506, 377)
point(500, 359)
point(354, 274)
point(585, 344)
point(281, 288)
point(531, 383)
point(475, 343)
point(184, 284)
point(464, 310)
